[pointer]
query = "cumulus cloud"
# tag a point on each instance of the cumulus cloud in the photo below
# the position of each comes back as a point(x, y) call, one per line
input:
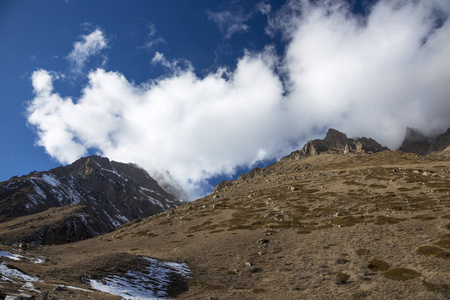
point(375, 77)
point(371, 78)
point(91, 44)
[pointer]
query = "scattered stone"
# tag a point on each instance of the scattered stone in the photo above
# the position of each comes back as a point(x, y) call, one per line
point(248, 264)
point(263, 241)
point(59, 288)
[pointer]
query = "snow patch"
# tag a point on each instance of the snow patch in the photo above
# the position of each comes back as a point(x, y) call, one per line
point(134, 285)
point(38, 190)
point(9, 255)
point(11, 186)
point(51, 180)
point(8, 273)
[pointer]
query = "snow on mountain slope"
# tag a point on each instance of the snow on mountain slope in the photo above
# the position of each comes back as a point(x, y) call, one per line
point(109, 194)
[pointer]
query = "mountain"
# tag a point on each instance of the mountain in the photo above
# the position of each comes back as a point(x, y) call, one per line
point(337, 142)
point(441, 144)
point(358, 225)
point(416, 142)
point(90, 197)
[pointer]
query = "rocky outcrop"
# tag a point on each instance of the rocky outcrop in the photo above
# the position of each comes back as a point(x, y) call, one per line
point(334, 142)
point(441, 144)
point(415, 142)
point(111, 194)
point(337, 142)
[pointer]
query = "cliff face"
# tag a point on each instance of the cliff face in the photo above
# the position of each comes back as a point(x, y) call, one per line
point(106, 194)
point(441, 144)
point(416, 142)
point(337, 142)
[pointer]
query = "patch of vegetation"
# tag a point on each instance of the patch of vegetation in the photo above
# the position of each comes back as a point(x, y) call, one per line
point(347, 221)
point(428, 250)
point(341, 278)
point(378, 186)
point(360, 295)
point(258, 291)
point(424, 217)
point(206, 286)
point(440, 288)
point(205, 226)
point(377, 265)
point(169, 222)
point(445, 236)
point(362, 252)
point(445, 243)
point(142, 234)
point(401, 274)
point(383, 220)
point(325, 226)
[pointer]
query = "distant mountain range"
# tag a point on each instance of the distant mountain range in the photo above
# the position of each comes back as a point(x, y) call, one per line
point(90, 197)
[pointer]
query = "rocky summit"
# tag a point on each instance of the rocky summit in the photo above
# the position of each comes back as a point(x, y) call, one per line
point(90, 197)
point(337, 142)
point(348, 220)
point(416, 142)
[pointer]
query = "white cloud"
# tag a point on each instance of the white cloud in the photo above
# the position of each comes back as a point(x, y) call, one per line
point(230, 22)
point(91, 44)
point(370, 78)
point(264, 8)
point(152, 40)
point(175, 66)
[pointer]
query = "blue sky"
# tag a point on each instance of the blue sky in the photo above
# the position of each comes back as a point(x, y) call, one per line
point(205, 89)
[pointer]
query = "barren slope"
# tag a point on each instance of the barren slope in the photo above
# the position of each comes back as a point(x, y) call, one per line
point(361, 226)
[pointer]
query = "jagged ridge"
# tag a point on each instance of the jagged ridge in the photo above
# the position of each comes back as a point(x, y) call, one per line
point(107, 193)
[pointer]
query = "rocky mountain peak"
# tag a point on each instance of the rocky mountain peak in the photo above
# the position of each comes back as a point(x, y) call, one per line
point(417, 142)
point(441, 143)
point(337, 142)
point(336, 139)
point(104, 194)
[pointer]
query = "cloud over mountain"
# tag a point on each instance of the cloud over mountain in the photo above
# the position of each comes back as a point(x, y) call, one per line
point(369, 76)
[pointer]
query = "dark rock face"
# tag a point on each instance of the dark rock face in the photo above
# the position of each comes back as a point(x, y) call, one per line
point(110, 194)
point(440, 143)
point(415, 142)
point(337, 142)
